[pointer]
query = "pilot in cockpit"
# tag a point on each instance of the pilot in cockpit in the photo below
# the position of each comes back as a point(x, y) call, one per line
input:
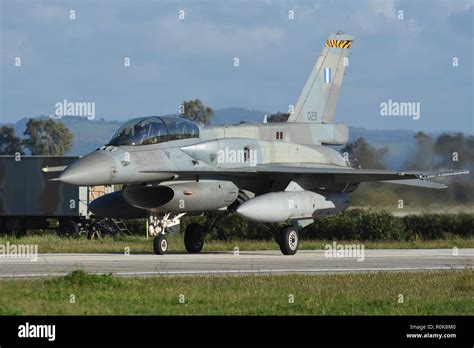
point(140, 132)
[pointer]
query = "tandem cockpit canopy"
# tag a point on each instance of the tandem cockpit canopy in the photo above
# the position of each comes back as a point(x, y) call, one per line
point(154, 130)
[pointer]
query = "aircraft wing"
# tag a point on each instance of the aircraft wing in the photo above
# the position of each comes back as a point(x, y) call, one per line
point(345, 174)
point(341, 174)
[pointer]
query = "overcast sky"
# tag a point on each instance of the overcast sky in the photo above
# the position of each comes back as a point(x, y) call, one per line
point(82, 59)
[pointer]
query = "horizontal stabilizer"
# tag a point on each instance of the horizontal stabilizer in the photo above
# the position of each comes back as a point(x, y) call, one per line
point(418, 183)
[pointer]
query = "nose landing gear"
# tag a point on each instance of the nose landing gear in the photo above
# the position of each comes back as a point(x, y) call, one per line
point(161, 226)
point(160, 244)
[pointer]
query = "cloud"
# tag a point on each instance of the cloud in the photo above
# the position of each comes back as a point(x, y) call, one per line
point(48, 14)
point(462, 22)
point(208, 39)
point(384, 8)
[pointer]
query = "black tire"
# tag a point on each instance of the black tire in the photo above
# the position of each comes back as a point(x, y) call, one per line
point(68, 228)
point(160, 245)
point(288, 240)
point(194, 238)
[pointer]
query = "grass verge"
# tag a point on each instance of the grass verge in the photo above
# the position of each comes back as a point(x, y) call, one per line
point(50, 243)
point(429, 293)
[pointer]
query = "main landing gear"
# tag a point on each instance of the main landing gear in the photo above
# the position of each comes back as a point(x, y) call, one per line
point(193, 235)
point(287, 237)
point(194, 238)
point(288, 240)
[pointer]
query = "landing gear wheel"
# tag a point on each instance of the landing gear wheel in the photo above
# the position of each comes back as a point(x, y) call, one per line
point(194, 238)
point(68, 228)
point(288, 240)
point(160, 245)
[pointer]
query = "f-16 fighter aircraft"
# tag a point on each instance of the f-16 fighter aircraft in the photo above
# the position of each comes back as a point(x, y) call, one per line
point(269, 172)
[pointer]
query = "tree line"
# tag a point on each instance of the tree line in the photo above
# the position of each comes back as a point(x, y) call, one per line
point(45, 137)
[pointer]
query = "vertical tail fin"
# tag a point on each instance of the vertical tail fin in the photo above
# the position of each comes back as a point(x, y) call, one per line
point(317, 102)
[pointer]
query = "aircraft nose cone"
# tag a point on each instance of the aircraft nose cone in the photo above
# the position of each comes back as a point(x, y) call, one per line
point(93, 169)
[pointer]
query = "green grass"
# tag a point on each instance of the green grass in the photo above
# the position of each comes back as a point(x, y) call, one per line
point(50, 243)
point(429, 293)
point(428, 208)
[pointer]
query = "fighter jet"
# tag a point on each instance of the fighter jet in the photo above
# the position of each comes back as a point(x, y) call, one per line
point(269, 173)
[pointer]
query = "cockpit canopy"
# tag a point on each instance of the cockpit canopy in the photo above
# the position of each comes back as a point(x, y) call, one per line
point(154, 130)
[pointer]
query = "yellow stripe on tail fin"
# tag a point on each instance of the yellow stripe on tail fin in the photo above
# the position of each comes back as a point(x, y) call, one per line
point(317, 102)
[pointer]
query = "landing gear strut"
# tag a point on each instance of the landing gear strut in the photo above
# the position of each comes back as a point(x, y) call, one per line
point(159, 226)
point(288, 240)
